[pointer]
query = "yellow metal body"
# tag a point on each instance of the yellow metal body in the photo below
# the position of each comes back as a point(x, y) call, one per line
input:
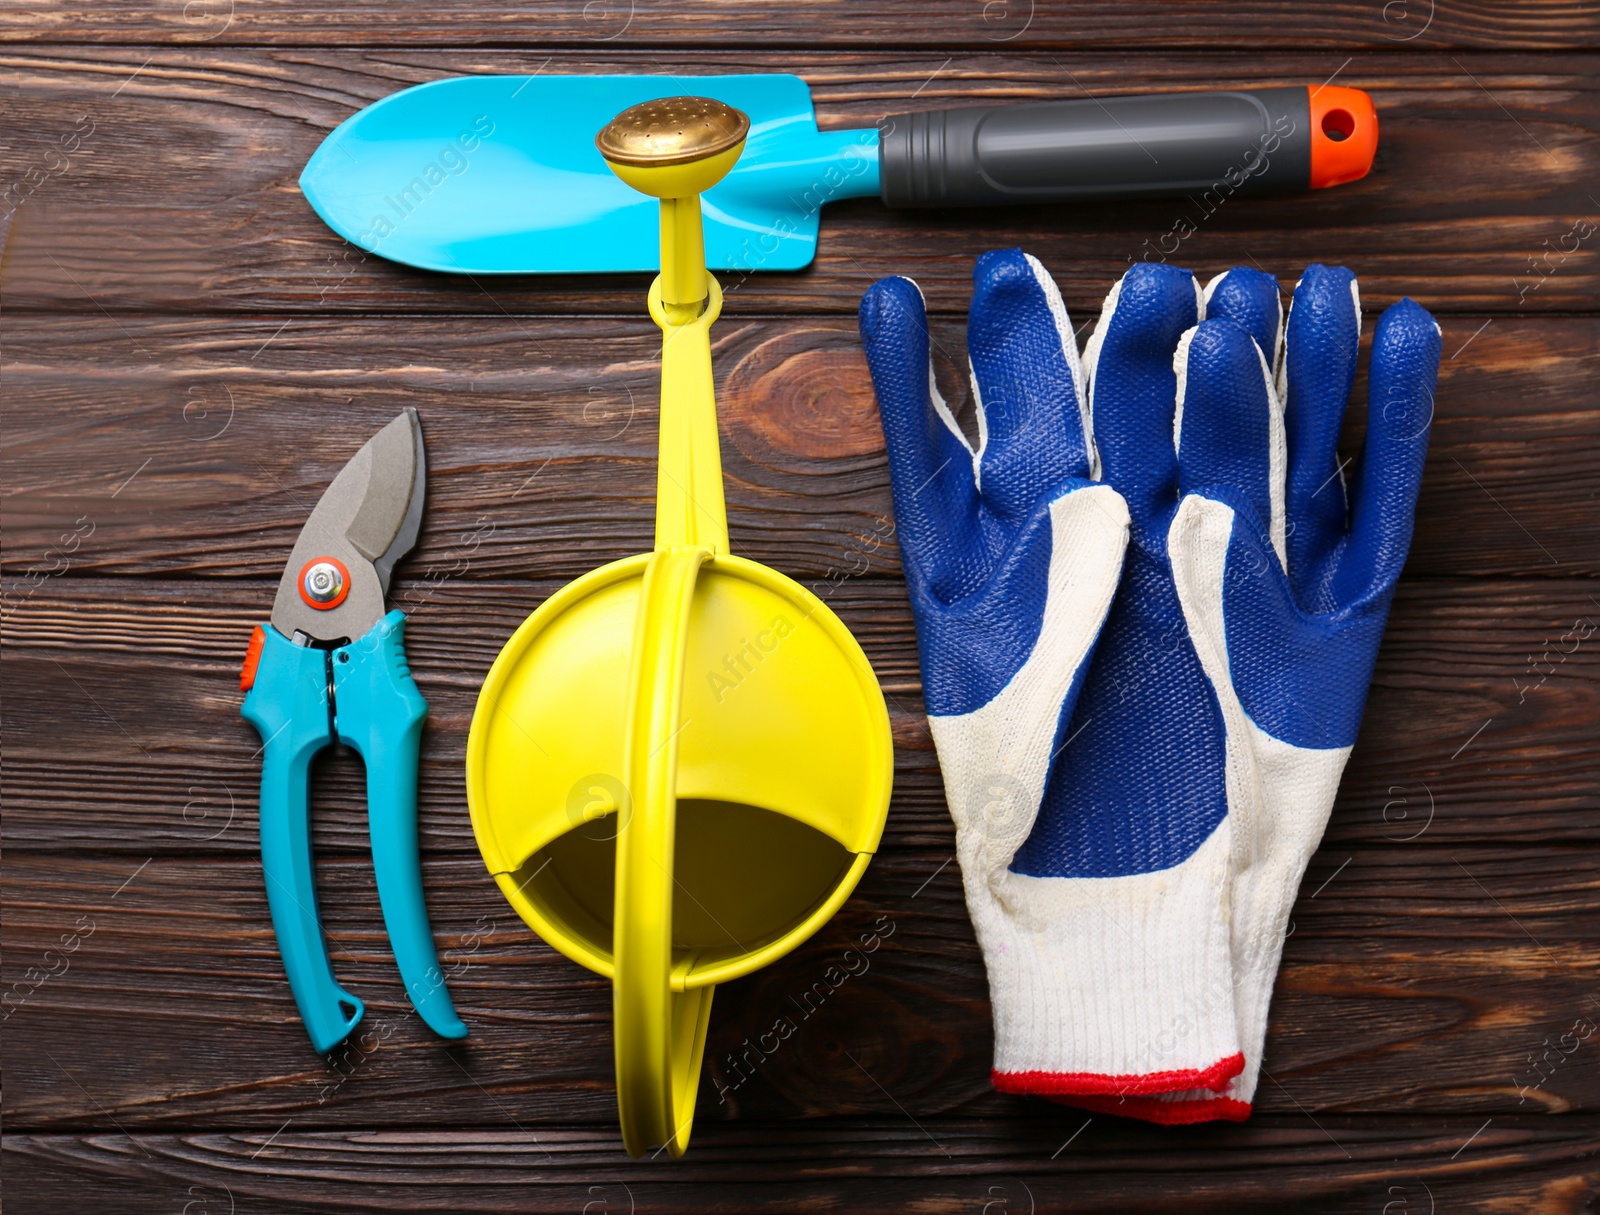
point(680, 764)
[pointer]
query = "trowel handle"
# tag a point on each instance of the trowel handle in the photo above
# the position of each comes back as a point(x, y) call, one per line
point(660, 1035)
point(1261, 140)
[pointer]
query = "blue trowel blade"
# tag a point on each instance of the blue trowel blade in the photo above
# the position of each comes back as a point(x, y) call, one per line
point(500, 175)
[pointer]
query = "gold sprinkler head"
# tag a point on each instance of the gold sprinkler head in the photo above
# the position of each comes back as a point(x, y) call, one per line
point(674, 147)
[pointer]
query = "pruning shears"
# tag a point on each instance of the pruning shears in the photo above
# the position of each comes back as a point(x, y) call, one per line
point(331, 666)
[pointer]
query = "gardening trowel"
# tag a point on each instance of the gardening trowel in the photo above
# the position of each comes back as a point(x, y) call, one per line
point(500, 174)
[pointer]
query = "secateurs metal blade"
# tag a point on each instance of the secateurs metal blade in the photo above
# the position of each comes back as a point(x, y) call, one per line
point(330, 666)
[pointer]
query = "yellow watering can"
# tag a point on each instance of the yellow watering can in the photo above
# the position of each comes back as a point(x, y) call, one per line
point(680, 764)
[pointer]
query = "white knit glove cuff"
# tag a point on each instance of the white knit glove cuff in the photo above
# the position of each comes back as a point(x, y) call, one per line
point(1109, 985)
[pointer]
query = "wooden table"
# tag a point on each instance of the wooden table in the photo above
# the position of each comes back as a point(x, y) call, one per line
point(190, 356)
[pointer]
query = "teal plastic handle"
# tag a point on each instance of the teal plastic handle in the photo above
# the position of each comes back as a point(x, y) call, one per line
point(288, 706)
point(380, 715)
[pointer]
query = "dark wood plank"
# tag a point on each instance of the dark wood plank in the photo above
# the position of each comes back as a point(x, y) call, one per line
point(1483, 185)
point(957, 24)
point(1322, 1166)
point(196, 447)
point(1471, 732)
point(191, 356)
point(149, 992)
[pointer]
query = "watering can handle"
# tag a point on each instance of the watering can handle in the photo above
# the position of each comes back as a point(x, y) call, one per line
point(660, 1035)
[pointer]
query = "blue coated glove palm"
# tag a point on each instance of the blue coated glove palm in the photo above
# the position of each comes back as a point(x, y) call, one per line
point(1105, 819)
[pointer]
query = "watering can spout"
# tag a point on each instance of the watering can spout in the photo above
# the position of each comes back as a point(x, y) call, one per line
point(675, 149)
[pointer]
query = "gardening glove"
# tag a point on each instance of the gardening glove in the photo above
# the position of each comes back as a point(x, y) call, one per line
point(1092, 843)
point(1285, 581)
point(1165, 825)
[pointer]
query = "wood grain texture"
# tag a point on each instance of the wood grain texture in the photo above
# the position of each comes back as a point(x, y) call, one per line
point(1445, 970)
point(195, 447)
point(1333, 1166)
point(190, 356)
point(956, 24)
point(1480, 724)
point(1484, 169)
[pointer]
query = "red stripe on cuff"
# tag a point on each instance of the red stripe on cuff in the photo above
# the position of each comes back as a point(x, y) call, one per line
point(1050, 1084)
point(1167, 1113)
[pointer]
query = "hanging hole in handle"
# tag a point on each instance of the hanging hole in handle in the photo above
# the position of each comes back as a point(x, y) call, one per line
point(350, 1010)
point(1344, 136)
point(1338, 125)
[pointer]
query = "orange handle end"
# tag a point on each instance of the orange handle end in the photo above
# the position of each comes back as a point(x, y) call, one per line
point(1344, 135)
point(252, 659)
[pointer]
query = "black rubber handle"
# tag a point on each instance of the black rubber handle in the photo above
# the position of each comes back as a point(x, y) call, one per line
point(1115, 147)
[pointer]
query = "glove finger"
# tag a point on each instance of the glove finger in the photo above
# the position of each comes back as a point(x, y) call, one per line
point(1400, 385)
point(1230, 435)
point(1322, 341)
point(931, 469)
point(1028, 383)
point(1250, 297)
point(1132, 387)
